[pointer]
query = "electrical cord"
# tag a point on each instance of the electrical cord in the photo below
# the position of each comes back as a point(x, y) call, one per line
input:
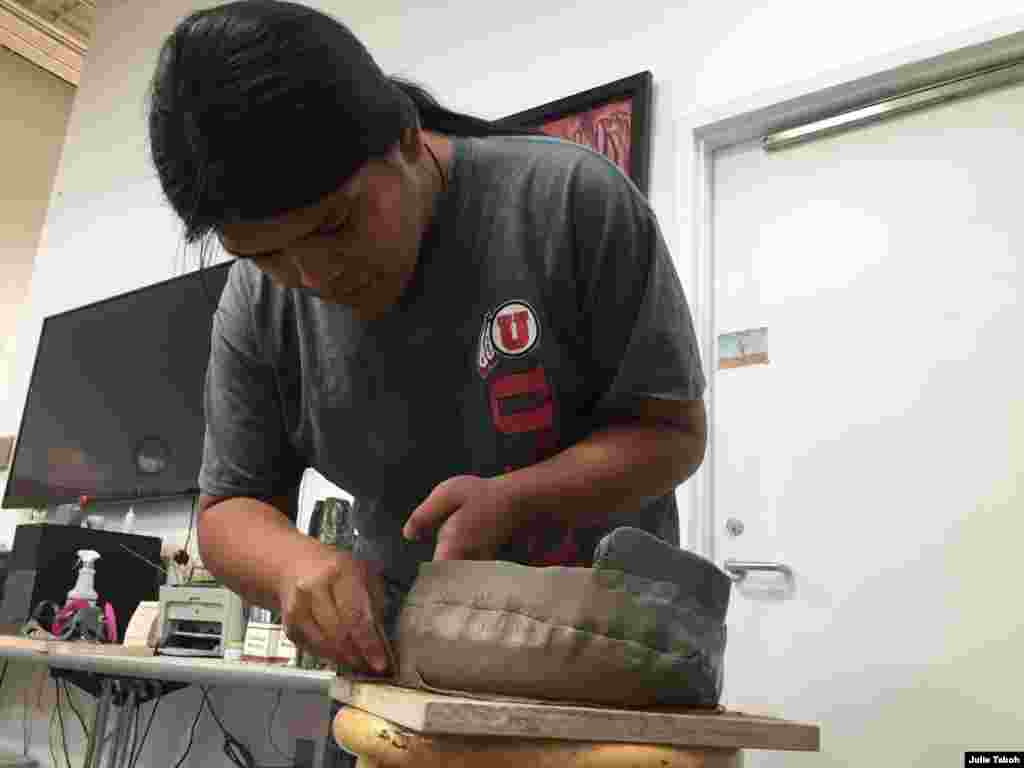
point(236, 751)
point(71, 703)
point(50, 727)
point(270, 727)
point(95, 741)
point(25, 722)
point(191, 733)
point(135, 731)
point(63, 732)
point(188, 539)
point(191, 522)
point(182, 557)
point(49, 737)
point(145, 734)
point(3, 675)
point(90, 749)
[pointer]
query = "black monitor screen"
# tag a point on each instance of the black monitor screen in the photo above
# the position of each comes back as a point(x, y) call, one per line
point(115, 404)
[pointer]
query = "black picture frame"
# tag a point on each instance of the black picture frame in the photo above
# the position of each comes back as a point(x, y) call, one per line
point(636, 89)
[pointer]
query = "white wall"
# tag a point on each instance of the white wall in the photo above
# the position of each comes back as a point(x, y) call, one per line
point(108, 230)
point(33, 119)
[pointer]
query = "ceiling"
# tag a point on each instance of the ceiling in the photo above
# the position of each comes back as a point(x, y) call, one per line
point(54, 34)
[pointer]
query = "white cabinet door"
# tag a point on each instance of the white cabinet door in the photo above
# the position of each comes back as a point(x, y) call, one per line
point(880, 451)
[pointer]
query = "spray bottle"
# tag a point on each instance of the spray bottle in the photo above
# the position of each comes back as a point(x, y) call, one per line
point(84, 588)
point(128, 524)
point(81, 617)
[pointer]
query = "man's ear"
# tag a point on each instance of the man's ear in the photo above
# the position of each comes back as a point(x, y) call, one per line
point(411, 143)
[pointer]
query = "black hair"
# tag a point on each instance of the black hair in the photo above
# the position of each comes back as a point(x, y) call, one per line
point(436, 118)
point(258, 107)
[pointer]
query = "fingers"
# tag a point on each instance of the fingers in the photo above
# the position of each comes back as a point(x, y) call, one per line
point(334, 618)
point(421, 521)
point(442, 502)
point(303, 630)
point(314, 623)
point(448, 548)
point(455, 547)
point(462, 538)
point(363, 631)
point(332, 624)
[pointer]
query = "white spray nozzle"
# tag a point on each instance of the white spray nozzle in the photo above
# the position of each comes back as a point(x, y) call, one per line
point(88, 557)
point(83, 589)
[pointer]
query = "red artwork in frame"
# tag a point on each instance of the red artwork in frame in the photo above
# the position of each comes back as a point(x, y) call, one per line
point(605, 129)
point(612, 119)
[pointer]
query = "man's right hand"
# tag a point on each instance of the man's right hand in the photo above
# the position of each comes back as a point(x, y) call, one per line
point(327, 607)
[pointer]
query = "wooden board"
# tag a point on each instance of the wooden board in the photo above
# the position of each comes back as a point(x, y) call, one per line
point(378, 742)
point(437, 714)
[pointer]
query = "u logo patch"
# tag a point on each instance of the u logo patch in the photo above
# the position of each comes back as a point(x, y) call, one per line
point(511, 330)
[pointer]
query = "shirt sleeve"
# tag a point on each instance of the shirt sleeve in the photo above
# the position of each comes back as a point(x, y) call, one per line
point(634, 313)
point(246, 451)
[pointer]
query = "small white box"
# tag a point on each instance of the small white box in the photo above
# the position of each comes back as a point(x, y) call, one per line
point(286, 650)
point(260, 641)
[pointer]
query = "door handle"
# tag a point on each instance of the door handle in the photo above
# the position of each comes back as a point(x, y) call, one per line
point(738, 569)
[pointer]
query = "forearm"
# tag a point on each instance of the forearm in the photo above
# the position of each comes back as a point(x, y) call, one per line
point(612, 472)
point(247, 544)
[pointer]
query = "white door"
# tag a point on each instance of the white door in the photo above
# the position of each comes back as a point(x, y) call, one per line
point(880, 451)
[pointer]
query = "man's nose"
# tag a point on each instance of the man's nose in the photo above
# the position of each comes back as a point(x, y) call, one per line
point(307, 279)
point(309, 275)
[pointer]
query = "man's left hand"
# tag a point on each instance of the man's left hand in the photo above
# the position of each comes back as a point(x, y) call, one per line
point(473, 518)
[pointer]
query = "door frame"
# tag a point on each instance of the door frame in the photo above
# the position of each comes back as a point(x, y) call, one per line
point(700, 134)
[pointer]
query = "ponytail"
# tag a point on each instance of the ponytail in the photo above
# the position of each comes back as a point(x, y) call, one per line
point(434, 117)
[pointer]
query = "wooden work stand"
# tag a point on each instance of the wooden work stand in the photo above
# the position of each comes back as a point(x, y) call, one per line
point(392, 727)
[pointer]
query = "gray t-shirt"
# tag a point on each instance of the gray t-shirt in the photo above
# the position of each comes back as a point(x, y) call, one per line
point(544, 296)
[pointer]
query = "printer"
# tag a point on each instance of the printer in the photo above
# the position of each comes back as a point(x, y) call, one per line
point(198, 620)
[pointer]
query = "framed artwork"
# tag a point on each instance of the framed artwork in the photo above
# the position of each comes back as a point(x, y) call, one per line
point(613, 119)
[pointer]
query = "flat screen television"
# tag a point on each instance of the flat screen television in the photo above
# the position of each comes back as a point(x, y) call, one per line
point(115, 404)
